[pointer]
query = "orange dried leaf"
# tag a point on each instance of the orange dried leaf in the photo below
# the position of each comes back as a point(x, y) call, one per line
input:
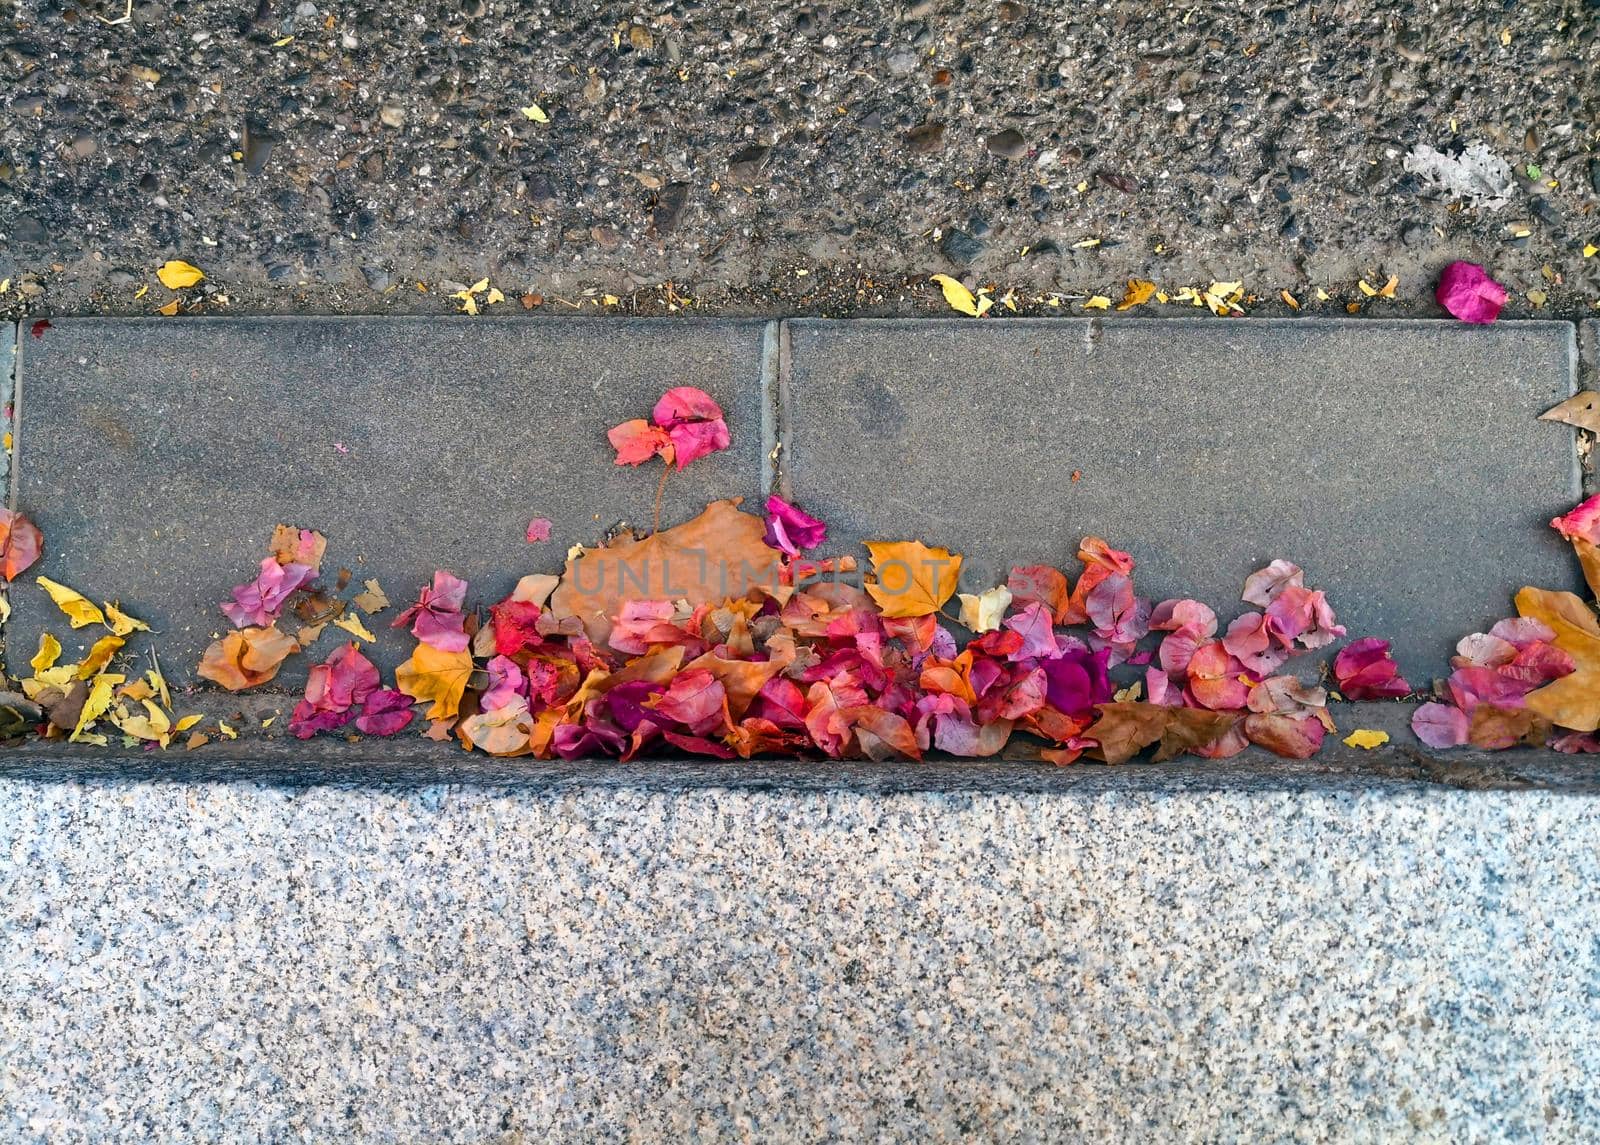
point(914, 579)
point(435, 677)
point(1139, 292)
point(1573, 701)
point(246, 658)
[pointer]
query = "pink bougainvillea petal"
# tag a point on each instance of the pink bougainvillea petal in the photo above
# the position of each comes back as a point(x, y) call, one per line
point(694, 440)
point(258, 603)
point(1466, 291)
point(637, 441)
point(436, 618)
point(791, 529)
point(1262, 587)
point(684, 404)
point(385, 713)
point(1440, 725)
point(1365, 670)
point(538, 530)
point(1582, 522)
point(692, 421)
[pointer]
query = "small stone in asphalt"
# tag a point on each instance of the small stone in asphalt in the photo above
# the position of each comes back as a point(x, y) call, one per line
point(377, 278)
point(1414, 234)
point(28, 231)
point(392, 116)
point(902, 63)
point(256, 147)
point(747, 163)
point(960, 247)
point(1008, 144)
point(926, 139)
point(1594, 175)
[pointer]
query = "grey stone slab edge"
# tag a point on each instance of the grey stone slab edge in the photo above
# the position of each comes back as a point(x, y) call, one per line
point(13, 389)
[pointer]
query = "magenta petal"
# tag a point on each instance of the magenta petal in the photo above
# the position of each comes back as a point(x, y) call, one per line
point(538, 530)
point(444, 631)
point(307, 720)
point(694, 440)
point(683, 404)
point(790, 529)
point(259, 602)
point(1440, 725)
point(386, 712)
point(1466, 291)
point(506, 684)
point(1582, 522)
point(1365, 670)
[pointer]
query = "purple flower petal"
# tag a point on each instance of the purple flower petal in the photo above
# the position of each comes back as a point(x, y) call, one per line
point(1466, 291)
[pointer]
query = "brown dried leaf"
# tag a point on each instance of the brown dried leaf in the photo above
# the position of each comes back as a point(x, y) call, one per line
point(716, 556)
point(1581, 410)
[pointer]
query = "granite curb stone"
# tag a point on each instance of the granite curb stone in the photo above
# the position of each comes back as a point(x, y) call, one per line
point(1401, 463)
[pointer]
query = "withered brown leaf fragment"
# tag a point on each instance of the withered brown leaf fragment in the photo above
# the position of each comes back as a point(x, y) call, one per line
point(1581, 410)
point(1125, 729)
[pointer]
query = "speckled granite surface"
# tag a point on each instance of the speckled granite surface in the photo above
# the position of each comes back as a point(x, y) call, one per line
point(240, 963)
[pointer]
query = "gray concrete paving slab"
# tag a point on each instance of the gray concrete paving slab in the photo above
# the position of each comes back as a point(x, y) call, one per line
point(1400, 463)
point(157, 455)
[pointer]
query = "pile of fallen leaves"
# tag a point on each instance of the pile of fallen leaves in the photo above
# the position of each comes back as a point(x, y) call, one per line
point(722, 637)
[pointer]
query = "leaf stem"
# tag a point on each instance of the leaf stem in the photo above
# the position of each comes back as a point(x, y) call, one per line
point(661, 487)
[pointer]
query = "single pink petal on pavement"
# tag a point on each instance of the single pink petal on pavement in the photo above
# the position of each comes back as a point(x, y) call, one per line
point(1440, 725)
point(790, 528)
point(1365, 670)
point(538, 530)
point(1582, 522)
point(1263, 586)
point(1466, 290)
point(685, 403)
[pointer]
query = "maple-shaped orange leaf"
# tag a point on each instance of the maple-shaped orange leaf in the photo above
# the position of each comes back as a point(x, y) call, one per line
point(437, 677)
point(1573, 701)
point(20, 542)
point(913, 578)
point(246, 658)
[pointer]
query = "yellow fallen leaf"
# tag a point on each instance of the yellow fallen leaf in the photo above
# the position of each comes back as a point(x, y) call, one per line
point(141, 292)
point(158, 683)
point(283, 41)
point(372, 600)
point(176, 274)
point(981, 612)
point(199, 739)
point(435, 676)
point(1289, 300)
point(494, 296)
point(186, 723)
point(49, 652)
point(98, 701)
point(1366, 739)
point(1590, 250)
point(959, 297)
point(80, 609)
point(534, 112)
point(478, 287)
point(351, 623)
point(1098, 302)
point(1390, 287)
point(99, 656)
point(226, 731)
point(121, 623)
point(610, 299)
point(1223, 297)
point(913, 579)
point(169, 309)
point(1139, 292)
point(1086, 244)
point(153, 725)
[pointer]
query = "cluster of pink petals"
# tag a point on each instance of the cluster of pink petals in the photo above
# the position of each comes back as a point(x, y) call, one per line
point(259, 602)
point(436, 618)
point(685, 425)
point(1497, 668)
point(1237, 673)
point(345, 687)
point(790, 529)
point(1365, 670)
point(1466, 291)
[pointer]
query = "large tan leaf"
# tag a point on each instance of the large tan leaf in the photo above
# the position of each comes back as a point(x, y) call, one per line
point(716, 556)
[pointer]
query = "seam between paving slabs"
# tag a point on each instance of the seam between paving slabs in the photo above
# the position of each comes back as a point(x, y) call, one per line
point(771, 440)
point(14, 398)
point(1587, 377)
point(779, 403)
